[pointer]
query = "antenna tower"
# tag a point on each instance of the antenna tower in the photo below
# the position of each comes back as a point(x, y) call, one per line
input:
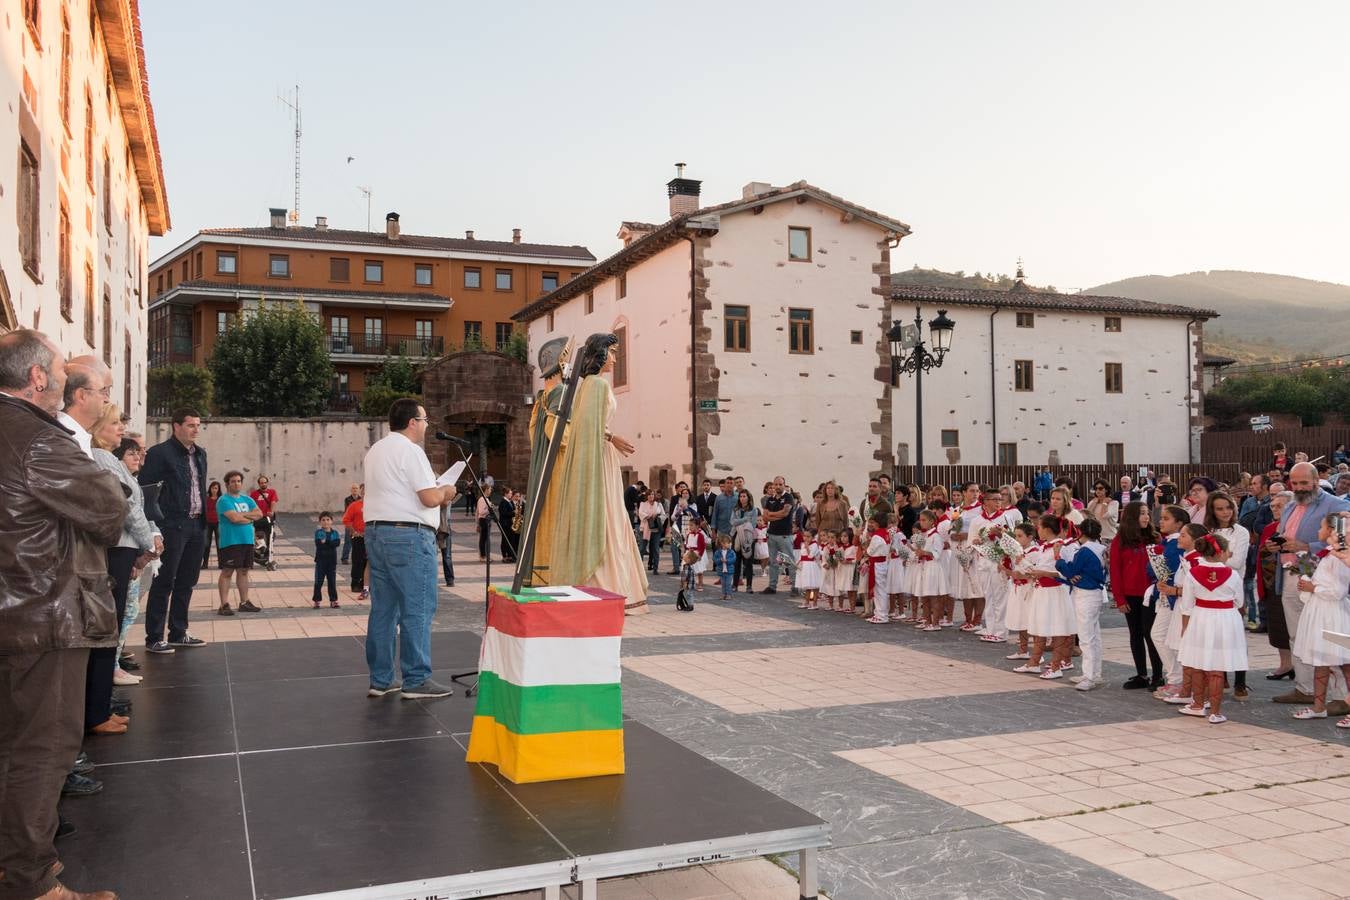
point(293, 104)
point(367, 193)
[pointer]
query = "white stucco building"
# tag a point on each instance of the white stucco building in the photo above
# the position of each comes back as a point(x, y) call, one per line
point(81, 182)
point(783, 367)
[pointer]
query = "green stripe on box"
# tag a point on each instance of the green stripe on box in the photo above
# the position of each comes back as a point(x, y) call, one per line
point(550, 708)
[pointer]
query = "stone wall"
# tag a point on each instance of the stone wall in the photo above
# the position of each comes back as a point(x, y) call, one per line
point(310, 462)
point(479, 388)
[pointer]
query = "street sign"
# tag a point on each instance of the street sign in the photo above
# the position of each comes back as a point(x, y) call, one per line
point(707, 406)
point(1261, 423)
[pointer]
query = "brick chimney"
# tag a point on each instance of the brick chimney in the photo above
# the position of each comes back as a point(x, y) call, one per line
point(391, 226)
point(468, 235)
point(515, 235)
point(321, 223)
point(683, 192)
point(278, 217)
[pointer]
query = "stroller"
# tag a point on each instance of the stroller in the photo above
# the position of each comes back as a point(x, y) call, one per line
point(262, 546)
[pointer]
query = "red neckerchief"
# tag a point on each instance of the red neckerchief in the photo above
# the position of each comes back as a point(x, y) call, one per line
point(996, 515)
point(971, 506)
point(1323, 552)
point(931, 532)
point(1192, 556)
point(1210, 577)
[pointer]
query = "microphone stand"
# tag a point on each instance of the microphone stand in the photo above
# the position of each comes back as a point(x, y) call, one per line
point(472, 689)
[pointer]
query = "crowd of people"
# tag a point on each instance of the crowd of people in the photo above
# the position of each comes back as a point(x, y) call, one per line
point(1192, 567)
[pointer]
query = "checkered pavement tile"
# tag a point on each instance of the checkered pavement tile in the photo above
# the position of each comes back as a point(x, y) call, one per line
point(1116, 648)
point(1178, 805)
point(783, 678)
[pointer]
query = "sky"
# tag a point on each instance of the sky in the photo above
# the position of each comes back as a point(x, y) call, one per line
point(1096, 141)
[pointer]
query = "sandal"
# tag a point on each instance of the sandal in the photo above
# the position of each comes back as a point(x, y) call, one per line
point(1191, 711)
point(1344, 723)
point(333, 604)
point(1310, 713)
point(875, 621)
point(1020, 654)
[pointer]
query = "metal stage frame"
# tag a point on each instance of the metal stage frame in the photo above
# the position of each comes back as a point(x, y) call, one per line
point(261, 770)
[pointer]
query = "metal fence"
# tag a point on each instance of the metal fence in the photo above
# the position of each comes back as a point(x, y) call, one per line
point(1082, 475)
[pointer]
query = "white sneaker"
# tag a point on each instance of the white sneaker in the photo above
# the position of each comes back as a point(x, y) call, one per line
point(1028, 667)
point(1018, 655)
point(1085, 684)
point(1077, 678)
point(123, 677)
point(1052, 674)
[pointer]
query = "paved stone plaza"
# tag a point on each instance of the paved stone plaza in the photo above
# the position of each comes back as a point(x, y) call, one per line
point(943, 774)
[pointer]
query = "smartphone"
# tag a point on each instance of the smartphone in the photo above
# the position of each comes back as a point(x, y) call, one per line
point(1339, 525)
point(1278, 539)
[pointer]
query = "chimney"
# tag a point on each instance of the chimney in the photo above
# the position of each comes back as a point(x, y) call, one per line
point(321, 223)
point(278, 217)
point(468, 235)
point(391, 226)
point(754, 189)
point(515, 235)
point(683, 192)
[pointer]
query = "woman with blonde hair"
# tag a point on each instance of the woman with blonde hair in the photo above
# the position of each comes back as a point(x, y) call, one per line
point(109, 428)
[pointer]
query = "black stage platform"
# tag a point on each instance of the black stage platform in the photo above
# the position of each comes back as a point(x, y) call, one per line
point(261, 770)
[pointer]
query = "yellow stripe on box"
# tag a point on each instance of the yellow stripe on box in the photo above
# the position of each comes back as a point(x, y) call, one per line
point(523, 758)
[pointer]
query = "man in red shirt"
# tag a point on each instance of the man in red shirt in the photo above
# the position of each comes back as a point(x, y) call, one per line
point(266, 498)
point(355, 521)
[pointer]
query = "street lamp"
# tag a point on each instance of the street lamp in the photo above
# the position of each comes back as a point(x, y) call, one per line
point(909, 354)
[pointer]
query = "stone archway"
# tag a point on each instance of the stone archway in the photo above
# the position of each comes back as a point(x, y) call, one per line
point(482, 396)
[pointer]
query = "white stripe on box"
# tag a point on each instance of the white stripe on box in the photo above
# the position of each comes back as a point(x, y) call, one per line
point(530, 662)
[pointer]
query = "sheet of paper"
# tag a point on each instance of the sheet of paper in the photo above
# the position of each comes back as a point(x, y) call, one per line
point(451, 475)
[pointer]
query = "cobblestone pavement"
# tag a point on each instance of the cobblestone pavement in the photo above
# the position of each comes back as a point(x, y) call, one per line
point(944, 774)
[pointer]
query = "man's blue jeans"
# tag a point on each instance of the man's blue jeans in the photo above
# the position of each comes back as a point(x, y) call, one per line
point(402, 603)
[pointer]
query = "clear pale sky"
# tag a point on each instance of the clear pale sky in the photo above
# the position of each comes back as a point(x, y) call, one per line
point(1095, 140)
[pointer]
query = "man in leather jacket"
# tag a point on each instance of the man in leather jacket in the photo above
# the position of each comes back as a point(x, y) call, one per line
point(52, 609)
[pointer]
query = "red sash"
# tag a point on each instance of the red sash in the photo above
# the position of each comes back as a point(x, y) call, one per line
point(1047, 582)
point(1214, 604)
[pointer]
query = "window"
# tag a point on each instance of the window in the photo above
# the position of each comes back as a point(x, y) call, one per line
point(159, 284)
point(473, 278)
point(1024, 378)
point(422, 329)
point(800, 338)
point(63, 263)
point(799, 244)
point(107, 191)
point(65, 71)
point(1026, 320)
point(737, 328)
point(1115, 454)
point(951, 437)
point(374, 329)
point(89, 304)
point(168, 273)
point(1113, 323)
point(473, 335)
point(1007, 454)
point(339, 268)
point(503, 279)
point(223, 319)
point(107, 327)
point(339, 326)
point(30, 242)
point(89, 138)
point(1115, 378)
point(621, 357)
point(622, 287)
point(279, 266)
point(503, 336)
point(227, 262)
point(422, 274)
point(197, 265)
point(590, 302)
point(549, 282)
point(126, 367)
point(855, 337)
point(374, 271)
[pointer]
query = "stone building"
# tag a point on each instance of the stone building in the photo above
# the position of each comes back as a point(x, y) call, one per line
point(81, 181)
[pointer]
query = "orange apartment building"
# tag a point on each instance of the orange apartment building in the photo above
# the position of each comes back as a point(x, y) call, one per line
point(377, 294)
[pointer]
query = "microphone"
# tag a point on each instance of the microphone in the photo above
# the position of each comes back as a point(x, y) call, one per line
point(457, 441)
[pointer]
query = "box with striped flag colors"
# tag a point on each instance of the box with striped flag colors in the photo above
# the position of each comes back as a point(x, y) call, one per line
point(549, 700)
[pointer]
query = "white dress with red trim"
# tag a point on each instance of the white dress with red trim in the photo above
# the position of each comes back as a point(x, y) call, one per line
point(1052, 611)
point(895, 570)
point(1215, 638)
point(1017, 615)
point(930, 575)
point(964, 583)
point(698, 543)
point(810, 575)
point(843, 576)
point(1185, 604)
point(1327, 610)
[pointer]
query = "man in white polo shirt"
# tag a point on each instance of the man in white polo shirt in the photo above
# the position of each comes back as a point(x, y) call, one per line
point(402, 510)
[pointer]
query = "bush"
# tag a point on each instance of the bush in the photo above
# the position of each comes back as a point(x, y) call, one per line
point(182, 384)
point(396, 377)
point(377, 399)
point(518, 347)
point(274, 363)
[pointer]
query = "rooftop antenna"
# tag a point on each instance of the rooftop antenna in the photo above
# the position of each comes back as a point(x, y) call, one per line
point(367, 193)
point(292, 103)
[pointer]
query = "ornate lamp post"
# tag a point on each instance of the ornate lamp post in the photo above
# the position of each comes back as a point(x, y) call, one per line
point(909, 354)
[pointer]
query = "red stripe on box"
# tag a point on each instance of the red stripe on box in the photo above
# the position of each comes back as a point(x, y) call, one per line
point(576, 618)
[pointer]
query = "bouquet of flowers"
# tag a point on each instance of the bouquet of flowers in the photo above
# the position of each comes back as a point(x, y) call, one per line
point(855, 520)
point(918, 541)
point(965, 556)
point(1158, 563)
point(1303, 566)
point(904, 553)
point(999, 549)
point(833, 559)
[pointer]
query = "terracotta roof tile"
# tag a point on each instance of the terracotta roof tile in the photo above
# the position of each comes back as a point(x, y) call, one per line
point(1044, 300)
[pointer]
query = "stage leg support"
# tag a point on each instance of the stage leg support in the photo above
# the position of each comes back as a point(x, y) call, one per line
point(808, 879)
point(590, 890)
point(553, 892)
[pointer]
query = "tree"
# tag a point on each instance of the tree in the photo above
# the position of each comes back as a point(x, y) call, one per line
point(518, 347)
point(274, 363)
point(396, 377)
point(182, 384)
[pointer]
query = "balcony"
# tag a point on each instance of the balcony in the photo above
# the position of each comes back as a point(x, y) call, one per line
point(345, 401)
point(382, 345)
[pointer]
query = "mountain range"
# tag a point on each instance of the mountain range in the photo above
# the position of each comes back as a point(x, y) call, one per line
point(1262, 317)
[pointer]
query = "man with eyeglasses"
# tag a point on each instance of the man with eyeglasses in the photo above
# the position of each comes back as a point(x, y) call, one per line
point(179, 465)
point(85, 397)
point(402, 512)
